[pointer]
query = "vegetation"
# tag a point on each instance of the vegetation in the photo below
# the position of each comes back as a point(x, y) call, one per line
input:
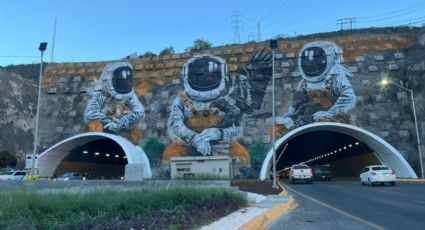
point(28, 71)
point(167, 51)
point(258, 153)
point(7, 160)
point(201, 44)
point(148, 54)
point(154, 149)
point(113, 208)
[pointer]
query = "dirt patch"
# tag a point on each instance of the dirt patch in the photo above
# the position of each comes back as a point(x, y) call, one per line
point(255, 186)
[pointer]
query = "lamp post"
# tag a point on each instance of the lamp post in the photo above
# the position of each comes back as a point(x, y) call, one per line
point(385, 82)
point(273, 46)
point(41, 48)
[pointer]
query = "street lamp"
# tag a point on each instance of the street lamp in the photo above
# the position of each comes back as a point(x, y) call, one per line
point(273, 46)
point(385, 82)
point(41, 48)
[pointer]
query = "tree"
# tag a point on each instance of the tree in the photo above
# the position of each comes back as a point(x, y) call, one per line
point(148, 54)
point(6, 159)
point(167, 51)
point(154, 149)
point(201, 44)
point(258, 153)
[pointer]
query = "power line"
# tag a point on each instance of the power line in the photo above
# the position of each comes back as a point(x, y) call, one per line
point(343, 21)
point(236, 26)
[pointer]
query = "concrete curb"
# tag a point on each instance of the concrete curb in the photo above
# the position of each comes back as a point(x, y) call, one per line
point(268, 217)
point(421, 181)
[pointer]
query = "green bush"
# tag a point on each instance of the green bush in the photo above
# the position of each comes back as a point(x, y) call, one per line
point(80, 208)
point(154, 149)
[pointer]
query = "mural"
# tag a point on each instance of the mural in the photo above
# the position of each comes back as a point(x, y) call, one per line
point(206, 118)
point(324, 93)
point(114, 107)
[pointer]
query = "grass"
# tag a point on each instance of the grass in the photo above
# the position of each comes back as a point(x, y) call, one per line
point(103, 208)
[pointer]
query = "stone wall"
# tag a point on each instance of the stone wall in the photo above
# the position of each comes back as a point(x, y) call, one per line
point(385, 112)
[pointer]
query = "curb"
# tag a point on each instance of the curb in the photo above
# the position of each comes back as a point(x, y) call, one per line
point(420, 181)
point(268, 217)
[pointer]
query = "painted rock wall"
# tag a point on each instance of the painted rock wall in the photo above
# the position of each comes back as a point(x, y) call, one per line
point(158, 81)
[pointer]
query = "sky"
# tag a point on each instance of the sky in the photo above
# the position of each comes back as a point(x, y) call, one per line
point(99, 30)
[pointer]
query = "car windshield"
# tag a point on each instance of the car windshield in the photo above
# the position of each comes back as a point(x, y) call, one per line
point(66, 175)
point(20, 173)
point(377, 168)
point(300, 167)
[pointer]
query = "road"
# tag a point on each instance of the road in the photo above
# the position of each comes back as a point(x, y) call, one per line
point(349, 205)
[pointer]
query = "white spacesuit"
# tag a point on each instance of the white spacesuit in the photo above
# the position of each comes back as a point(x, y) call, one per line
point(328, 94)
point(196, 124)
point(114, 102)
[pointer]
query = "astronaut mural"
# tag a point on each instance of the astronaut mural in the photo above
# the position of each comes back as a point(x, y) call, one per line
point(324, 93)
point(206, 118)
point(114, 107)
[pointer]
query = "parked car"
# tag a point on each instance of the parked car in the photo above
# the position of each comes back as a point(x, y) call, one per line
point(13, 175)
point(300, 173)
point(322, 172)
point(377, 174)
point(70, 176)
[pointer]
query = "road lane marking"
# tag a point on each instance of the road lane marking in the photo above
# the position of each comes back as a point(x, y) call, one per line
point(338, 210)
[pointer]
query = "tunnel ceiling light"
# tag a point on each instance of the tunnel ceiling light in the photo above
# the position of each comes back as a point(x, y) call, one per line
point(85, 152)
point(116, 155)
point(357, 143)
point(335, 151)
point(340, 150)
point(125, 157)
point(350, 145)
point(345, 147)
point(97, 153)
point(107, 155)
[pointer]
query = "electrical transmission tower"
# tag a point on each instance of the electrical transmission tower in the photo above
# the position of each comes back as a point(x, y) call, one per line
point(343, 21)
point(236, 26)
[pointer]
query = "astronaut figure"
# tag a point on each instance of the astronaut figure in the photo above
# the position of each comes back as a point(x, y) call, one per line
point(198, 125)
point(114, 107)
point(324, 94)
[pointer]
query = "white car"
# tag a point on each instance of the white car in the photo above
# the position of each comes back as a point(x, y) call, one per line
point(377, 174)
point(13, 175)
point(300, 172)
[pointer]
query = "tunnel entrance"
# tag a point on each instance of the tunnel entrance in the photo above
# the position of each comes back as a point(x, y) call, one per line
point(346, 148)
point(345, 155)
point(96, 155)
point(99, 159)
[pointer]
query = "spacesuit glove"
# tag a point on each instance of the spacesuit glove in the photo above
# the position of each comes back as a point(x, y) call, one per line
point(291, 112)
point(112, 126)
point(203, 147)
point(286, 121)
point(322, 114)
point(211, 134)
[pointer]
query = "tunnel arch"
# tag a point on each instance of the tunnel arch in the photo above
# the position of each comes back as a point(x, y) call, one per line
point(50, 159)
point(385, 151)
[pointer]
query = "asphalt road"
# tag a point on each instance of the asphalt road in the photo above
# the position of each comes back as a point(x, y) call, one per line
point(349, 205)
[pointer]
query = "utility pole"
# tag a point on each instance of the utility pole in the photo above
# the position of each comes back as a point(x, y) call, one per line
point(343, 21)
point(53, 42)
point(251, 36)
point(236, 26)
point(258, 32)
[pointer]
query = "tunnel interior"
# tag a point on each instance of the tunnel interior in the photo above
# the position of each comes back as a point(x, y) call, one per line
point(99, 159)
point(345, 155)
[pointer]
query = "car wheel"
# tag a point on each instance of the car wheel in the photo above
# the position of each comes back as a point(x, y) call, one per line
point(392, 183)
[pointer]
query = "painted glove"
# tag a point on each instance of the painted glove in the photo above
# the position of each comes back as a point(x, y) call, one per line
point(286, 121)
point(203, 147)
point(211, 134)
point(322, 114)
point(112, 126)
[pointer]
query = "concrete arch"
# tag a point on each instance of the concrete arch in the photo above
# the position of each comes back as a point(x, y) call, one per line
point(50, 159)
point(386, 152)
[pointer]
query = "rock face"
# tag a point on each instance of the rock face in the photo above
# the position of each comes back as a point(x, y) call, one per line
point(18, 98)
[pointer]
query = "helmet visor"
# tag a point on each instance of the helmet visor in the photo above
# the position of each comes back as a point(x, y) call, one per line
point(204, 74)
point(122, 80)
point(313, 61)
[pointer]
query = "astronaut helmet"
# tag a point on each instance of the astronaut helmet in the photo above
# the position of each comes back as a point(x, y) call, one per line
point(317, 61)
point(117, 78)
point(205, 77)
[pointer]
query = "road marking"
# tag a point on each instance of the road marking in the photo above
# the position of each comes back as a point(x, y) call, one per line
point(338, 210)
